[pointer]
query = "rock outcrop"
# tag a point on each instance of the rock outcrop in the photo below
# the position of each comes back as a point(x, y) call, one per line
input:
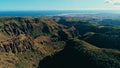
point(31, 39)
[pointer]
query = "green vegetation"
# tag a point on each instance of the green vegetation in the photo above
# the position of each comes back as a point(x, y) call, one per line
point(104, 36)
point(80, 54)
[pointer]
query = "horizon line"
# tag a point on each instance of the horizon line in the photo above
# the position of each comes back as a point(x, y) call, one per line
point(68, 10)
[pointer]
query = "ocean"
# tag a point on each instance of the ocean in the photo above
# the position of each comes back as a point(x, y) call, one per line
point(52, 12)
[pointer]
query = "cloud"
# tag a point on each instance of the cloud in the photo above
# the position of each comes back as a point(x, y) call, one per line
point(108, 1)
point(114, 2)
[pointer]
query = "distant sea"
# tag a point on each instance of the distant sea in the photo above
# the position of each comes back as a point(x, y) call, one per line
point(52, 12)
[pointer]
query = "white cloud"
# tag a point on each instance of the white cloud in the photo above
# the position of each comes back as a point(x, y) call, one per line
point(107, 8)
point(114, 2)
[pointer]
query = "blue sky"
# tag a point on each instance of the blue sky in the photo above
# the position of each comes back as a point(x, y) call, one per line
point(59, 5)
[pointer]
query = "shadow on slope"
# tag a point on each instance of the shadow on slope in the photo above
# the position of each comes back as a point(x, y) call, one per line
point(80, 54)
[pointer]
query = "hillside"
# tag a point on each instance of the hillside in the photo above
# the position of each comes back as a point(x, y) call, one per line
point(26, 42)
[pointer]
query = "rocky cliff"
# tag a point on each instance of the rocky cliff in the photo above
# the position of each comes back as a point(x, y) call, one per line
point(37, 36)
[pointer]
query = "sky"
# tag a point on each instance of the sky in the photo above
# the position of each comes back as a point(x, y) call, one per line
point(7, 5)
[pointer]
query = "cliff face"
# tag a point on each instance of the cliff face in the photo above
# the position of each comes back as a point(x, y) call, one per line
point(17, 44)
point(32, 36)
